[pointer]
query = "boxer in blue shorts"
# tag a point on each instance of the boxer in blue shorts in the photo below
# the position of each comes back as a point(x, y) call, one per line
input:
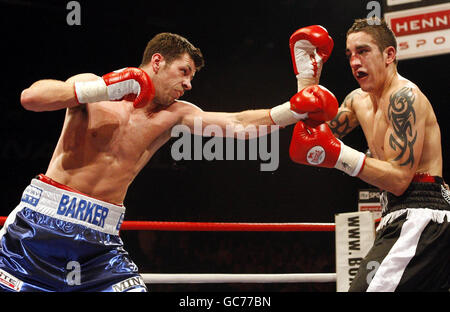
point(63, 236)
point(61, 240)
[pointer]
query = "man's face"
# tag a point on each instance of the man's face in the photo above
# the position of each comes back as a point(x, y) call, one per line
point(173, 79)
point(367, 62)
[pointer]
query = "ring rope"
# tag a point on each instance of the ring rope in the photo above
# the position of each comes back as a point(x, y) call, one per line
point(192, 278)
point(159, 278)
point(238, 278)
point(221, 226)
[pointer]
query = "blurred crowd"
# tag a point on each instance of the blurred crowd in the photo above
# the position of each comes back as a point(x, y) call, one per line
point(234, 252)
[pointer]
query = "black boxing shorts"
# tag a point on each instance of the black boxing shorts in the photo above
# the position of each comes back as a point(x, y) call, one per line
point(411, 251)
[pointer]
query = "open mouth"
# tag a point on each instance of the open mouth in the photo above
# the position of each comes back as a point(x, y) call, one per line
point(361, 74)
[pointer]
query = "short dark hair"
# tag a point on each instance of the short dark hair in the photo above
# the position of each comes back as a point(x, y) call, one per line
point(172, 46)
point(378, 29)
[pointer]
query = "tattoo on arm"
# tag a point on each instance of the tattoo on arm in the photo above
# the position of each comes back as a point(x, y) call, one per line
point(341, 124)
point(403, 117)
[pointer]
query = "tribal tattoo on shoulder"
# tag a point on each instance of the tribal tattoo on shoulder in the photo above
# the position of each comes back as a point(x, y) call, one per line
point(402, 116)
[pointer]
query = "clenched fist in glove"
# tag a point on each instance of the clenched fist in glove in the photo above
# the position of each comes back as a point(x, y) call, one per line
point(317, 146)
point(128, 83)
point(314, 103)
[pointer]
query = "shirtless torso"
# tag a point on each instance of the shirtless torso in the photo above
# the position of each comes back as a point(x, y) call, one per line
point(104, 145)
point(390, 126)
point(397, 119)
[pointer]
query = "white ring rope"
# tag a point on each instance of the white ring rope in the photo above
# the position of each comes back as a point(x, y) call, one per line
point(238, 278)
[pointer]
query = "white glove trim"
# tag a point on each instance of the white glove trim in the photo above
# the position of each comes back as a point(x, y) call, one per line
point(283, 116)
point(91, 91)
point(350, 160)
point(118, 90)
point(303, 49)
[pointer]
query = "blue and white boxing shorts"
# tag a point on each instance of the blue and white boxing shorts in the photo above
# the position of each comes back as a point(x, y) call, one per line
point(57, 239)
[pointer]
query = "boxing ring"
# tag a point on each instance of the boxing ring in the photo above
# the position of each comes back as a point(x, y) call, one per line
point(233, 227)
point(151, 278)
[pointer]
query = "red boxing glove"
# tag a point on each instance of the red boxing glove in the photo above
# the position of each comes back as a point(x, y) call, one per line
point(317, 101)
point(315, 104)
point(310, 47)
point(128, 83)
point(319, 147)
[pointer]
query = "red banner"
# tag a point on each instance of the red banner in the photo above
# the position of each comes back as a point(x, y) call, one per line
point(421, 23)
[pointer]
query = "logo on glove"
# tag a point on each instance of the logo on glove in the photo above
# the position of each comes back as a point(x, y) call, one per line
point(316, 155)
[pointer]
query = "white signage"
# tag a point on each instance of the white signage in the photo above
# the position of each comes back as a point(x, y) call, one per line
point(421, 31)
point(355, 234)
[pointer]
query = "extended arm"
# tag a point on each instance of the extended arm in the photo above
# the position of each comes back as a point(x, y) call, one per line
point(230, 124)
point(314, 103)
point(310, 47)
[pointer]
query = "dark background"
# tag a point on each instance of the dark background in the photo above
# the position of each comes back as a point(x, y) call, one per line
point(248, 66)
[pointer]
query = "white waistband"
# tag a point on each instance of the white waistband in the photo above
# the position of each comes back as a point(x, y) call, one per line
point(437, 216)
point(73, 207)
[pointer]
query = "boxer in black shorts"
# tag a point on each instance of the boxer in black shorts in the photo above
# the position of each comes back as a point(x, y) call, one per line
point(411, 251)
point(412, 246)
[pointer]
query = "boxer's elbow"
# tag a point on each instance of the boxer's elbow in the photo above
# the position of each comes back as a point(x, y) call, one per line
point(398, 190)
point(34, 99)
point(401, 185)
point(28, 99)
point(48, 95)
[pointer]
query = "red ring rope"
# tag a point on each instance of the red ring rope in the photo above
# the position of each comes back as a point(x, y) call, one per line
point(221, 226)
